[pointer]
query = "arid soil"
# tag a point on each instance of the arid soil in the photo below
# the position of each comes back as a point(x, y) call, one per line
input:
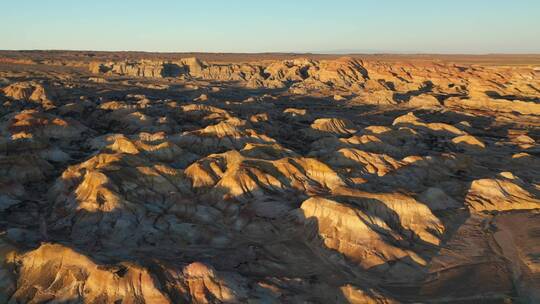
point(273, 178)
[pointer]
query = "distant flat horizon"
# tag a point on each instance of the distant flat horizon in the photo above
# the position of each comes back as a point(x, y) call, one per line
point(276, 52)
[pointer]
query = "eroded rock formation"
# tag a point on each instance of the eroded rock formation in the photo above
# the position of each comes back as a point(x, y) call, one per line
point(285, 181)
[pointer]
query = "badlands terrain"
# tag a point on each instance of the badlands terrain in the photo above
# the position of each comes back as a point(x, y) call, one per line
point(269, 178)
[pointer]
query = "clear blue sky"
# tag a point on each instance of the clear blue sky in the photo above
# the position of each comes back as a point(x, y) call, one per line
point(426, 26)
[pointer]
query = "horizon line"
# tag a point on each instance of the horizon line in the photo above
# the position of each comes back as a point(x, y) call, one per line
point(282, 52)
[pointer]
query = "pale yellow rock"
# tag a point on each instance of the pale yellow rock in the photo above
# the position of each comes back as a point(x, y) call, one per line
point(499, 194)
point(78, 277)
point(468, 142)
point(412, 121)
point(205, 285)
point(330, 126)
point(371, 163)
point(423, 101)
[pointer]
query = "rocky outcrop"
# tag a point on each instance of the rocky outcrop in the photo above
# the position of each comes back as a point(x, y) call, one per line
point(330, 126)
point(226, 135)
point(500, 194)
point(30, 91)
point(58, 273)
point(371, 82)
point(342, 180)
point(366, 235)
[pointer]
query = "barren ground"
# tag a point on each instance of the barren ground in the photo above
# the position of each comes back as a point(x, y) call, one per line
point(131, 177)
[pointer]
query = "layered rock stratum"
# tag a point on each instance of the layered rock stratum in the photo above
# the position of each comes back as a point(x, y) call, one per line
point(301, 180)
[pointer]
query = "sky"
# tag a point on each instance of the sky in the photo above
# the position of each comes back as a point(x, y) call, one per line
point(319, 26)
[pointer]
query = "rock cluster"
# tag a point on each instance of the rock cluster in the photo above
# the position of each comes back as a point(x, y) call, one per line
point(508, 89)
point(193, 182)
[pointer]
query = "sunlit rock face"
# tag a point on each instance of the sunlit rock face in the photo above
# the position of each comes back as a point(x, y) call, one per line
point(305, 180)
